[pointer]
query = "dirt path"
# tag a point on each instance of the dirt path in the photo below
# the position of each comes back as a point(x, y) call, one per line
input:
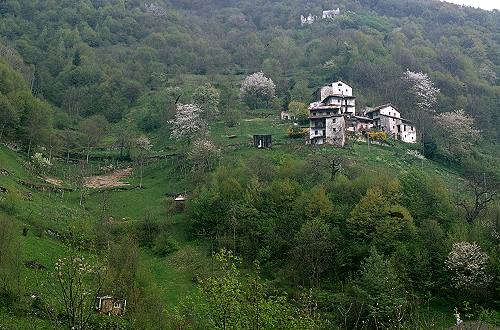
point(110, 180)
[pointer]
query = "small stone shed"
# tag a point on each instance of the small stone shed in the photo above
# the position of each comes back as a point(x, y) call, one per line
point(180, 203)
point(263, 141)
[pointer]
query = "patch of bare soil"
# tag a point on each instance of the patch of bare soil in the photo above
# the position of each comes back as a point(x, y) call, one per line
point(54, 181)
point(110, 180)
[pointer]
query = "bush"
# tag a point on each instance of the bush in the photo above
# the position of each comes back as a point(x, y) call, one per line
point(296, 132)
point(164, 244)
point(377, 136)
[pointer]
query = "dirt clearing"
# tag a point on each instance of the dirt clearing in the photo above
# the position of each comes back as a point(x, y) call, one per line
point(110, 180)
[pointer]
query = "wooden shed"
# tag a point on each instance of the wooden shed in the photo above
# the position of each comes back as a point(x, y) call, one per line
point(109, 305)
point(262, 141)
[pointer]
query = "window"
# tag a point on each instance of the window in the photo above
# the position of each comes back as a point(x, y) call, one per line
point(393, 127)
point(315, 132)
point(334, 129)
point(334, 120)
point(324, 132)
point(405, 129)
point(340, 84)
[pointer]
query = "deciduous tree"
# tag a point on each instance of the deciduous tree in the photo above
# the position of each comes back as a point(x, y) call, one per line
point(207, 97)
point(457, 133)
point(93, 130)
point(188, 123)
point(256, 89)
point(468, 266)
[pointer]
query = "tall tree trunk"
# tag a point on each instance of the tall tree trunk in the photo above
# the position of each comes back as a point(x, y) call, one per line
point(88, 152)
point(29, 149)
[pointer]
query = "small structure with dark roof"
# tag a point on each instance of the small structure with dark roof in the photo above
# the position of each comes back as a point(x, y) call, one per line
point(263, 141)
point(180, 203)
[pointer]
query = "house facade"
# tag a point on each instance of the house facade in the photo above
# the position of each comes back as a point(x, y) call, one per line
point(326, 15)
point(329, 115)
point(387, 118)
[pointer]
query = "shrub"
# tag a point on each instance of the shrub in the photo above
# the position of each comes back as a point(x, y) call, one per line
point(164, 244)
point(377, 136)
point(296, 132)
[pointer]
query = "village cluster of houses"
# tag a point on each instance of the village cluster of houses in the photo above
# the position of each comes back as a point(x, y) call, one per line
point(327, 14)
point(333, 117)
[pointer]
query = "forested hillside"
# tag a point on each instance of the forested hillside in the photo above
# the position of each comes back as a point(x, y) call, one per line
point(161, 95)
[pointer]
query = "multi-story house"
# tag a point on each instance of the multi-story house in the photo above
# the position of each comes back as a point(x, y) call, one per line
point(327, 117)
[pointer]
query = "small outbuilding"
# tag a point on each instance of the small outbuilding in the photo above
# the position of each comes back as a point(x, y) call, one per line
point(263, 141)
point(109, 305)
point(180, 203)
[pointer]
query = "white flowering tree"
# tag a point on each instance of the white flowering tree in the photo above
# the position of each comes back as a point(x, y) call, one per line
point(423, 89)
point(468, 266)
point(75, 287)
point(458, 132)
point(203, 154)
point(40, 163)
point(257, 89)
point(425, 95)
point(188, 123)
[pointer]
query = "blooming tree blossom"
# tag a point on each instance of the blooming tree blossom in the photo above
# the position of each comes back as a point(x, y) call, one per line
point(458, 132)
point(423, 89)
point(40, 162)
point(257, 88)
point(467, 263)
point(188, 123)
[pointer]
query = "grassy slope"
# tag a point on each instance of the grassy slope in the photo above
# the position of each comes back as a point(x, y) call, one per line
point(174, 273)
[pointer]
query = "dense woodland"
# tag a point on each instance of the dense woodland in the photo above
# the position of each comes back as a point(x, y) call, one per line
point(297, 237)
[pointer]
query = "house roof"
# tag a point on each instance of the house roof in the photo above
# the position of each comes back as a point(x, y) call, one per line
point(407, 121)
point(341, 96)
point(382, 107)
point(362, 118)
point(180, 198)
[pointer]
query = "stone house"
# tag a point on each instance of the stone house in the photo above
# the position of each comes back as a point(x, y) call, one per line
point(285, 115)
point(330, 14)
point(387, 118)
point(359, 124)
point(328, 116)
